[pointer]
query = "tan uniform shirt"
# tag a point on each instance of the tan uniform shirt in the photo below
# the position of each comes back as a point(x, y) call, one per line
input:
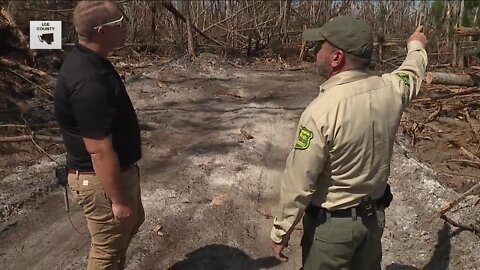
point(345, 140)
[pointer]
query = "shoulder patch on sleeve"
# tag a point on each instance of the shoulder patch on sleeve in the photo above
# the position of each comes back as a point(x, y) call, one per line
point(304, 138)
point(405, 78)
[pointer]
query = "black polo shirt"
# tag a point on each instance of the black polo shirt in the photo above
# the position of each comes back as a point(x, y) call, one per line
point(91, 101)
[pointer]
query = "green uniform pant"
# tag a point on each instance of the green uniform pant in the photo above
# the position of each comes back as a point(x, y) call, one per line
point(343, 243)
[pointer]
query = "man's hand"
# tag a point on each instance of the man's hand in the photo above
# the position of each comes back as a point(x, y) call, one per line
point(277, 252)
point(121, 211)
point(419, 36)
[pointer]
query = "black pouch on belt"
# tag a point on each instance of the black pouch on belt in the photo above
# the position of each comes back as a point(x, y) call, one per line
point(61, 172)
point(368, 208)
point(316, 212)
point(387, 197)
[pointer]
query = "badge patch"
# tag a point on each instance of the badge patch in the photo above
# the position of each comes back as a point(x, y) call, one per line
point(405, 78)
point(304, 138)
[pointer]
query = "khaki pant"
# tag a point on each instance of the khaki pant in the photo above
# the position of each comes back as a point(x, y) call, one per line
point(343, 243)
point(109, 237)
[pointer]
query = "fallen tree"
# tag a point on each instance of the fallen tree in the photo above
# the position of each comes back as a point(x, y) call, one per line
point(462, 31)
point(452, 79)
point(169, 6)
point(26, 138)
point(13, 64)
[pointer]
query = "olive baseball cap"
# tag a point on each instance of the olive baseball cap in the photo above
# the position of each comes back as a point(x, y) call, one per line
point(350, 34)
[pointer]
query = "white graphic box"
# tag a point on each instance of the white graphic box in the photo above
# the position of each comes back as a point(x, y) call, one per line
point(45, 35)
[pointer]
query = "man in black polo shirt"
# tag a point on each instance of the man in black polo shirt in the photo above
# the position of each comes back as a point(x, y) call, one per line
point(101, 134)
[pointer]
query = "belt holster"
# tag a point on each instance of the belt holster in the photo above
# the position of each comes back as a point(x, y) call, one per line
point(318, 213)
point(61, 172)
point(368, 208)
point(387, 197)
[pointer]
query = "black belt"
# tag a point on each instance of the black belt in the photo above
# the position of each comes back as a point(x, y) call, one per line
point(92, 172)
point(364, 209)
point(319, 212)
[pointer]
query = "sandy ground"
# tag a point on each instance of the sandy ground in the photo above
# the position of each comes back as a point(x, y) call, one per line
point(214, 146)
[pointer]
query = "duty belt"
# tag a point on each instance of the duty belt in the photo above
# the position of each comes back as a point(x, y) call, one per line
point(364, 209)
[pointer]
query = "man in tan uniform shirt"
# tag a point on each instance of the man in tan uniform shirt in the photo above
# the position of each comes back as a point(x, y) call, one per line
point(337, 172)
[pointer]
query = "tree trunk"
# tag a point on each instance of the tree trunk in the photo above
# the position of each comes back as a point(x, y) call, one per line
point(460, 56)
point(474, 22)
point(451, 79)
point(475, 17)
point(303, 49)
point(286, 17)
point(448, 16)
point(153, 24)
point(191, 46)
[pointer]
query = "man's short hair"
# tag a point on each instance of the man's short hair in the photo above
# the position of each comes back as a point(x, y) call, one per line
point(353, 61)
point(88, 14)
point(356, 62)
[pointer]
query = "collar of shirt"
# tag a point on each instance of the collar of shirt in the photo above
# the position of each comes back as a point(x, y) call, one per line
point(343, 78)
point(93, 54)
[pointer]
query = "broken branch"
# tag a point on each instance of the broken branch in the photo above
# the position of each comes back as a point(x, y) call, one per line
point(473, 125)
point(450, 205)
point(460, 93)
point(470, 228)
point(40, 149)
point(468, 154)
point(468, 162)
point(419, 126)
point(169, 6)
point(12, 125)
point(11, 64)
point(26, 138)
point(36, 85)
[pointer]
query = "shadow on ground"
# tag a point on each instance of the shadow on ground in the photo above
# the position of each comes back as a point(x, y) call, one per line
point(396, 266)
point(441, 256)
point(222, 257)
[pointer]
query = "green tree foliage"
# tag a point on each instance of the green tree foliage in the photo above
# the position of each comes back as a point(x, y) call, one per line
point(468, 15)
point(438, 7)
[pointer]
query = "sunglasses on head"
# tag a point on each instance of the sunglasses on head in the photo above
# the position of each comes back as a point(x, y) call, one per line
point(112, 23)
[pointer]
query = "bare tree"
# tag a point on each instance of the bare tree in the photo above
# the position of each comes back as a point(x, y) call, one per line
point(191, 45)
point(250, 25)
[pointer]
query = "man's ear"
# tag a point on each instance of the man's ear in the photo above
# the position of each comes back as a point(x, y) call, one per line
point(338, 59)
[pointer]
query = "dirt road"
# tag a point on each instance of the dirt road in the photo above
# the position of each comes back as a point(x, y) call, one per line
point(214, 144)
